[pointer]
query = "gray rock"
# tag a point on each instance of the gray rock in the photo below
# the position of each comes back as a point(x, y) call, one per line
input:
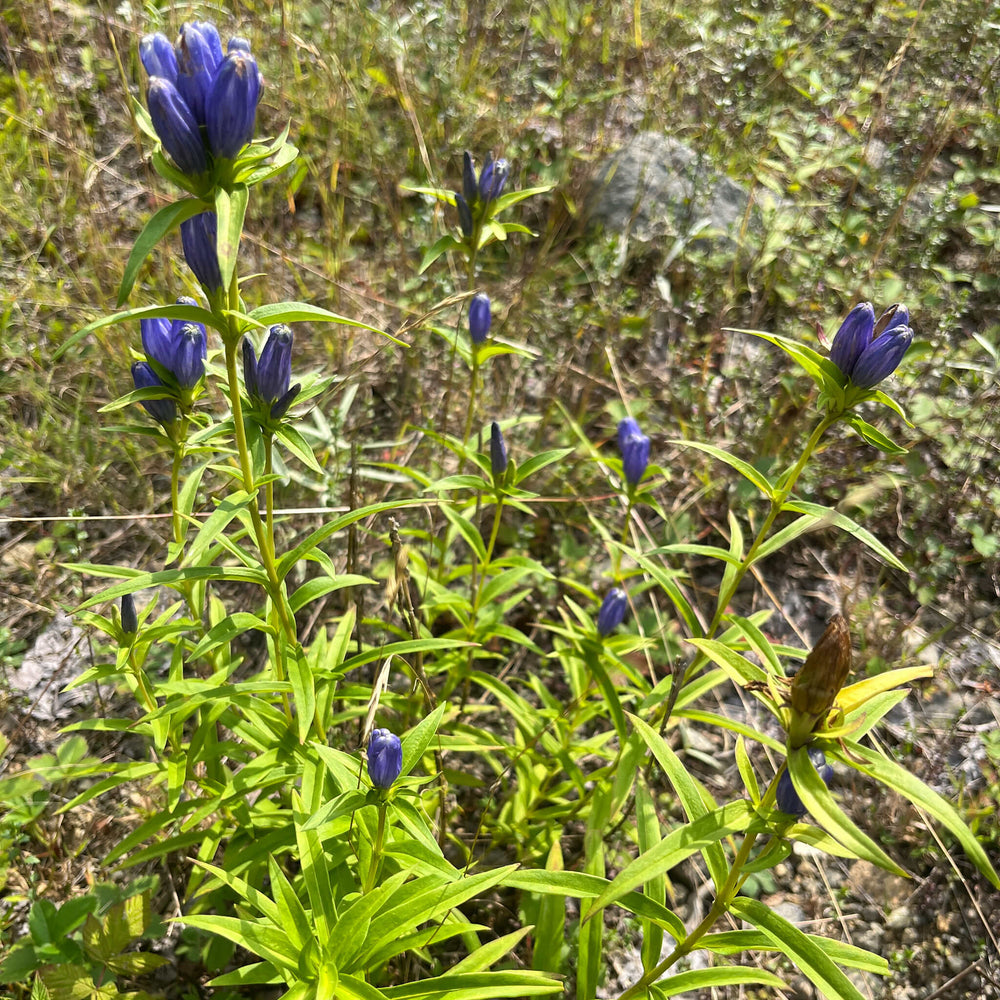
point(656, 186)
point(57, 656)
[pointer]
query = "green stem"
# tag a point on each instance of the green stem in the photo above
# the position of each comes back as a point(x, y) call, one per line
point(777, 502)
point(732, 885)
point(269, 489)
point(376, 861)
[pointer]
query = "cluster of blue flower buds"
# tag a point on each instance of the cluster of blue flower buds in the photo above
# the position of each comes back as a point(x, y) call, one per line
point(385, 758)
point(787, 799)
point(867, 351)
point(634, 446)
point(478, 193)
point(268, 378)
point(203, 103)
point(175, 361)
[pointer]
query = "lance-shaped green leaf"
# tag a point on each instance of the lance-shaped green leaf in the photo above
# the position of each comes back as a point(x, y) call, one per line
point(744, 468)
point(806, 952)
point(821, 804)
point(887, 771)
point(679, 844)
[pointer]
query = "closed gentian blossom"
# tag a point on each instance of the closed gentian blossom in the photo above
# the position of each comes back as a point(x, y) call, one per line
point(634, 446)
point(162, 410)
point(179, 346)
point(385, 758)
point(612, 612)
point(479, 192)
point(130, 621)
point(199, 236)
point(202, 103)
point(787, 798)
point(866, 351)
point(480, 317)
point(498, 451)
point(267, 378)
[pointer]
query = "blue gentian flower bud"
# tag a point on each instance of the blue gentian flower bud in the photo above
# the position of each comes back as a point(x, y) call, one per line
point(176, 126)
point(787, 799)
point(882, 357)
point(238, 44)
point(157, 55)
point(198, 238)
point(480, 317)
point(612, 612)
point(267, 380)
point(130, 621)
point(470, 188)
point(385, 758)
point(231, 106)
point(854, 335)
point(162, 410)
point(634, 446)
point(199, 53)
point(464, 215)
point(179, 346)
point(493, 179)
point(498, 451)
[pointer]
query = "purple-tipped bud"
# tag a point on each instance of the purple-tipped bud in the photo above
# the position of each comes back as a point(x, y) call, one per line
point(493, 179)
point(231, 106)
point(612, 612)
point(480, 317)
point(199, 53)
point(470, 187)
point(157, 343)
point(464, 215)
point(267, 380)
point(130, 621)
point(162, 410)
point(854, 335)
point(180, 347)
point(385, 758)
point(882, 357)
point(157, 55)
point(198, 238)
point(634, 446)
point(176, 126)
point(787, 799)
point(498, 451)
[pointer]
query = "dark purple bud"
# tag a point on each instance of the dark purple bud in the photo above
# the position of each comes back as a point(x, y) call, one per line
point(130, 621)
point(231, 107)
point(274, 369)
point(238, 44)
point(199, 52)
point(469, 186)
point(157, 55)
point(280, 408)
point(162, 410)
point(176, 126)
point(882, 357)
point(854, 335)
point(480, 317)
point(464, 215)
point(198, 238)
point(385, 758)
point(250, 369)
point(190, 351)
point(493, 180)
point(612, 612)
point(634, 446)
point(156, 340)
point(787, 798)
point(498, 451)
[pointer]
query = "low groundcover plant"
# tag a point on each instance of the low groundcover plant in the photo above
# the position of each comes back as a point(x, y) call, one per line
point(314, 847)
